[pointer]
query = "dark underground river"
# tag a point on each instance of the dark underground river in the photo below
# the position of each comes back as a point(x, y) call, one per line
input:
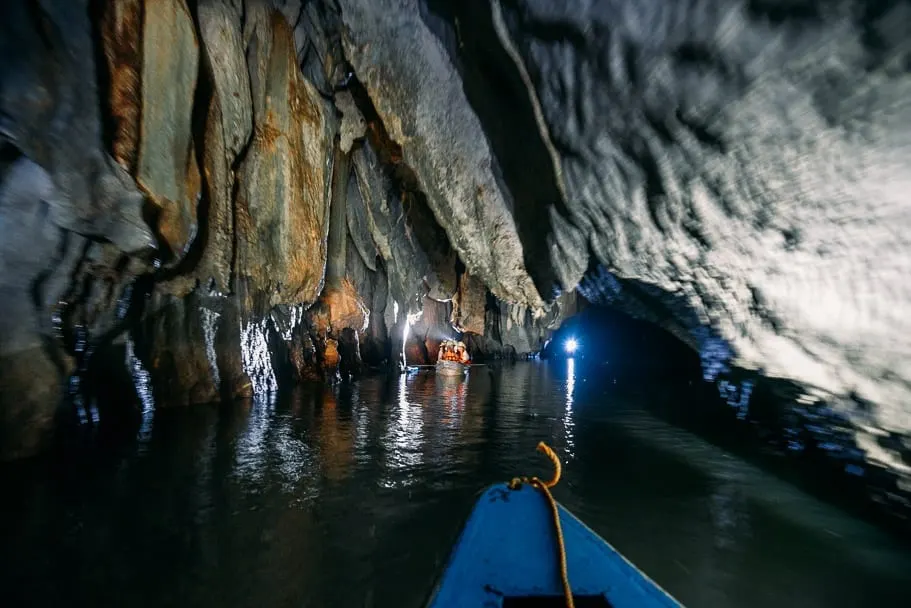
point(352, 494)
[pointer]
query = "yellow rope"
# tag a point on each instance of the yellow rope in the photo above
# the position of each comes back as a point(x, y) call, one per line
point(545, 487)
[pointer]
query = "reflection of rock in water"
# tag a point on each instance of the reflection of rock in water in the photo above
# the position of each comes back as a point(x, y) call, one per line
point(252, 444)
point(336, 437)
point(452, 391)
point(803, 423)
point(869, 545)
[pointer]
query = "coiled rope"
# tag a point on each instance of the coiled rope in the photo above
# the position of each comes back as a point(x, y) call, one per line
point(545, 487)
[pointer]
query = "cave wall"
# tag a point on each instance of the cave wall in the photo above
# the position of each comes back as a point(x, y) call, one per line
point(68, 212)
point(192, 193)
point(251, 189)
point(419, 98)
point(735, 171)
point(749, 164)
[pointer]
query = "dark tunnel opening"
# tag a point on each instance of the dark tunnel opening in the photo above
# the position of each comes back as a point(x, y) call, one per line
point(630, 347)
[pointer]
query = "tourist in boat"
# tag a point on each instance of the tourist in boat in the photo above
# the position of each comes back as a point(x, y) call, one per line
point(456, 352)
point(462, 353)
point(441, 354)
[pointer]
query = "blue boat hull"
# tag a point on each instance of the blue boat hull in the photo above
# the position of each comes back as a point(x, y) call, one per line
point(507, 555)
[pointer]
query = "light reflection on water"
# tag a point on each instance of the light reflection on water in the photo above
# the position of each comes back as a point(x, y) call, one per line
point(143, 384)
point(568, 423)
point(209, 327)
point(351, 495)
point(256, 357)
point(251, 445)
point(404, 437)
point(361, 424)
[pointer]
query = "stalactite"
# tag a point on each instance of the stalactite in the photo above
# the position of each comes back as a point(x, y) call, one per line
point(338, 226)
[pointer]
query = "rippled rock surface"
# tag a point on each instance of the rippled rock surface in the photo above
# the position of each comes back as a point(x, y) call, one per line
point(749, 158)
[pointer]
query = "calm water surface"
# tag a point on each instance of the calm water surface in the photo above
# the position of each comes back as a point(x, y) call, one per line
point(352, 495)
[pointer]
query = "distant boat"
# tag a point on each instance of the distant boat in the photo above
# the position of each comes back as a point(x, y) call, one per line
point(507, 556)
point(451, 368)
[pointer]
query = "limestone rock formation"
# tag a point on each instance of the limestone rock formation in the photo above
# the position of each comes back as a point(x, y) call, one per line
point(469, 304)
point(166, 165)
point(283, 184)
point(418, 95)
point(406, 263)
point(339, 308)
point(121, 39)
point(58, 189)
point(361, 235)
point(371, 285)
point(353, 125)
point(229, 125)
point(751, 160)
point(181, 356)
point(50, 114)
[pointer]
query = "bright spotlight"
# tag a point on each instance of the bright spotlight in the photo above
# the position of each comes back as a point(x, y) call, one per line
point(571, 345)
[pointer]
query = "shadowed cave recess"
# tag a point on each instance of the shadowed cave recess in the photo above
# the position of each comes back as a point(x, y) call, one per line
point(205, 200)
